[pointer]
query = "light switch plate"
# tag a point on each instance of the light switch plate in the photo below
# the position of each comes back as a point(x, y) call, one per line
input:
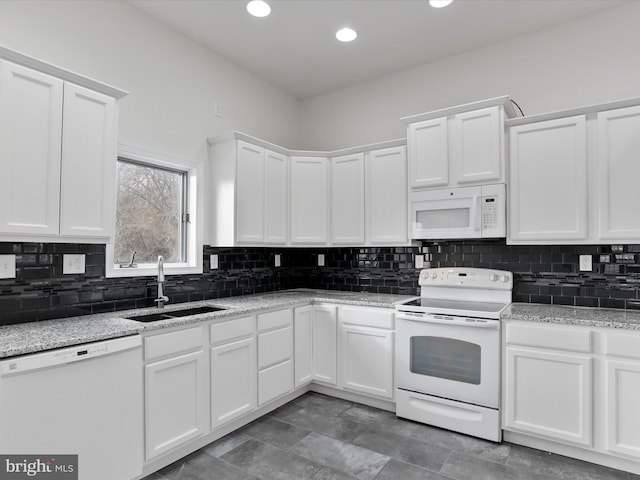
point(321, 259)
point(586, 263)
point(7, 266)
point(73, 264)
point(419, 261)
point(276, 260)
point(213, 261)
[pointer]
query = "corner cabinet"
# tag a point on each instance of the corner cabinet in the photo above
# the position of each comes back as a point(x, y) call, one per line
point(458, 146)
point(58, 150)
point(250, 192)
point(309, 200)
point(315, 348)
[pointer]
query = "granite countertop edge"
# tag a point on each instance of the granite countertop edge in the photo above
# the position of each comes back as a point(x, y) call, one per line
point(568, 315)
point(34, 337)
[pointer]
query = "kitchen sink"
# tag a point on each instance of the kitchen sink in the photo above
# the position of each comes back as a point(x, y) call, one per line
point(154, 317)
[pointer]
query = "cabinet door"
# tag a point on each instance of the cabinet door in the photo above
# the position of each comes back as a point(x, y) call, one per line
point(30, 150)
point(367, 360)
point(428, 151)
point(233, 380)
point(476, 154)
point(276, 198)
point(623, 421)
point(548, 187)
point(302, 349)
point(89, 150)
point(309, 200)
point(175, 402)
point(618, 169)
point(250, 193)
point(325, 344)
point(549, 394)
point(347, 199)
point(386, 196)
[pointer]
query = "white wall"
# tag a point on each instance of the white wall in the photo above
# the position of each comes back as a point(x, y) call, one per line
point(591, 60)
point(173, 81)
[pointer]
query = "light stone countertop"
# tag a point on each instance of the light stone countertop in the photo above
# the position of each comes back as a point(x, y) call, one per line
point(565, 315)
point(34, 337)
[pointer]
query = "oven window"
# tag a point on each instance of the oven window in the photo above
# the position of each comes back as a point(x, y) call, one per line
point(446, 358)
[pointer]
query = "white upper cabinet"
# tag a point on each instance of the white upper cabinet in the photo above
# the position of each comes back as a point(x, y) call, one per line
point(89, 152)
point(458, 146)
point(386, 196)
point(250, 192)
point(347, 199)
point(548, 181)
point(572, 176)
point(477, 147)
point(30, 150)
point(58, 150)
point(427, 142)
point(276, 198)
point(309, 200)
point(618, 168)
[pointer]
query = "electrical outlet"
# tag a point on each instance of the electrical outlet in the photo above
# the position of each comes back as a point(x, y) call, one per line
point(321, 259)
point(213, 261)
point(7, 266)
point(419, 261)
point(586, 263)
point(73, 264)
point(276, 260)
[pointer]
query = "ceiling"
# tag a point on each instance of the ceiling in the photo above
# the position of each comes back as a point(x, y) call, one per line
point(295, 47)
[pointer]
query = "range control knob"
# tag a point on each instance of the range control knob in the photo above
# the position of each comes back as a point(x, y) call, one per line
point(504, 278)
point(493, 277)
point(434, 275)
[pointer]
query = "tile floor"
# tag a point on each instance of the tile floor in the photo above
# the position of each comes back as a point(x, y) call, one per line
point(317, 437)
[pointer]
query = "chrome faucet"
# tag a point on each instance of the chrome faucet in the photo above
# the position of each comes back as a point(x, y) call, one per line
point(162, 298)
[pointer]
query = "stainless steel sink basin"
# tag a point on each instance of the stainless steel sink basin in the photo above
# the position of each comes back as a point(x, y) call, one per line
point(156, 316)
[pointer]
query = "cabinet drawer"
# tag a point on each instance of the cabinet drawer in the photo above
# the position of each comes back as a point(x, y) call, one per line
point(275, 381)
point(172, 343)
point(623, 345)
point(234, 329)
point(275, 347)
point(368, 317)
point(574, 339)
point(273, 320)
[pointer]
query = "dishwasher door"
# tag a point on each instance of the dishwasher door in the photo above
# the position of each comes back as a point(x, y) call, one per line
point(85, 400)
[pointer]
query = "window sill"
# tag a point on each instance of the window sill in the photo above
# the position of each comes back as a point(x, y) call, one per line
point(150, 270)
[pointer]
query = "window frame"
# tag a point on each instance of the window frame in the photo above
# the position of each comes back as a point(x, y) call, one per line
point(193, 207)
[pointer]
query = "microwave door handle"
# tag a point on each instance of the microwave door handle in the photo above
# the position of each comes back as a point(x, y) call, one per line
point(475, 220)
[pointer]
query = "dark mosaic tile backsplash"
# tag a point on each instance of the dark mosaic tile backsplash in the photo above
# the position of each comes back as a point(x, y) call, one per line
point(543, 274)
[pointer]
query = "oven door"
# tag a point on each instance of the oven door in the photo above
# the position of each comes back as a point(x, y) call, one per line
point(456, 358)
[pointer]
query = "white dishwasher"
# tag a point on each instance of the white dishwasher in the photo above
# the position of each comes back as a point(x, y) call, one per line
point(85, 400)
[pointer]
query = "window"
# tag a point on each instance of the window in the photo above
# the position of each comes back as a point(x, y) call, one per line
point(155, 215)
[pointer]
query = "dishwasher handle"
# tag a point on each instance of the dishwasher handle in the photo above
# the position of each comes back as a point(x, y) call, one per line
point(61, 356)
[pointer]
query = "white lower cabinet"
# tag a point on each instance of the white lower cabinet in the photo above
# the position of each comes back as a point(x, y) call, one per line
point(315, 344)
point(574, 386)
point(275, 354)
point(324, 344)
point(622, 374)
point(233, 369)
point(366, 347)
point(176, 399)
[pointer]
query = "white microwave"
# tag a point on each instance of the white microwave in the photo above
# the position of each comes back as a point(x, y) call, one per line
point(465, 212)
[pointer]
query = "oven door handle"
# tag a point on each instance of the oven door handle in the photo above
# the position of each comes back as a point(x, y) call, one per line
point(449, 320)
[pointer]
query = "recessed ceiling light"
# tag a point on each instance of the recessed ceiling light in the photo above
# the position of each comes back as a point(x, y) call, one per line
point(439, 3)
point(346, 34)
point(258, 8)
